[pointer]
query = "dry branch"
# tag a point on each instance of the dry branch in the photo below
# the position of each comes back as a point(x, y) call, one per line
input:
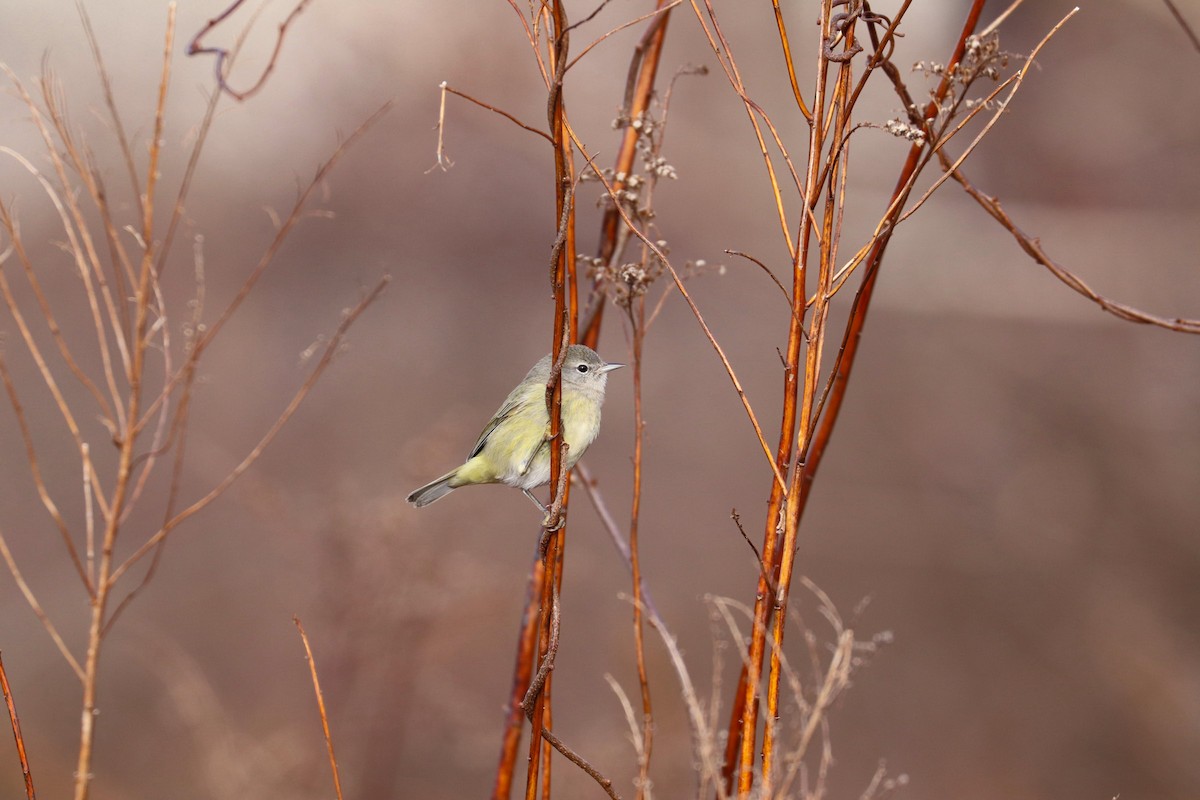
point(120, 267)
point(15, 721)
point(312, 666)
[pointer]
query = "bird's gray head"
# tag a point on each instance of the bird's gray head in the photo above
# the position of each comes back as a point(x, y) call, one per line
point(583, 371)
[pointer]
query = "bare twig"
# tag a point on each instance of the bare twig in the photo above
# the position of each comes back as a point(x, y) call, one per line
point(223, 55)
point(447, 89)
point(18, 248)
point(999, 20)
point(1033, 246)
point(662, 9)
point(16, 729)
point(312, 666)
point(35, 470)
point(31, 599)
point(579, 761)
point(529, 701)
point(631, 721)
point(564, 324)
point(636, 309)
point(766, 270)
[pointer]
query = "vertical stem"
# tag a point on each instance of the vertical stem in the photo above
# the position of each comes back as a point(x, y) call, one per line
point(104, 582)
point(642, 85)
point(522, 674)
point(564, 329)
point(15, 721)
point(862, 301)
point(646, 58)
point(541, 712)
point(126, 441)
point(638, 323)
point(816, 343)
point(765, 594)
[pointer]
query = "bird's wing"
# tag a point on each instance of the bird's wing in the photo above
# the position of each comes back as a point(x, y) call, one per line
point(513, 404)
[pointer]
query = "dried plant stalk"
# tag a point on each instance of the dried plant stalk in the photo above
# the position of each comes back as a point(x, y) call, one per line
point(120, 266)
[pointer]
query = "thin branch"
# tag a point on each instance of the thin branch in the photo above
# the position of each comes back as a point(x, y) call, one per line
point(591, 487)
point(177, 438)
point(768, 272)
point(446, 88)
point(111, 104)
point(621, 27)
point(89, 516)
point(787, 60)
point(533, 43)
point(579, 761)
point(220, 66)
point(637, 320)
point(1033, 247)
point(18, 249)
point(145, 463)
point(36, 472)
point(635, 730)
point(312, 666)
point(443, 162)
point(720, 47)
point(16, 729)
point(31, 599)
point(534, 691)
point(27, 334)
point(82, 245)
point(999, 20)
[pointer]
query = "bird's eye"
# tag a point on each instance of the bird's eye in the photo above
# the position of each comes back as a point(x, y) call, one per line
point(582, 368)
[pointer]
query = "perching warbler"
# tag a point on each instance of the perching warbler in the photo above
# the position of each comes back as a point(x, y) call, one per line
point(514, 448)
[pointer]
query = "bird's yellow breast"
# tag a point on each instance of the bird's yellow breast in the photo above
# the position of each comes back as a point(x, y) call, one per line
point(581, 423)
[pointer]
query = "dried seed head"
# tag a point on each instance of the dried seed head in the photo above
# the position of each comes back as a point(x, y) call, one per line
point(904, 130)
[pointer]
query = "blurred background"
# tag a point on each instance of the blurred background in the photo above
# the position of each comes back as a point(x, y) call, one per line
point(1013, 491)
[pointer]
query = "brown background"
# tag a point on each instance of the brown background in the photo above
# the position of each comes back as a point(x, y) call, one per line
point(1013, 483)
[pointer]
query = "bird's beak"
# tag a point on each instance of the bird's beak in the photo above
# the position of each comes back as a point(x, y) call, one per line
point(609, 368)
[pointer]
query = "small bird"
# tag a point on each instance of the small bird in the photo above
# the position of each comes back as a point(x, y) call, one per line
point(514, 448)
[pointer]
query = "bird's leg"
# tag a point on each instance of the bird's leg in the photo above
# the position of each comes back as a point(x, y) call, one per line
point(536, 502)
point(545, 511)
point(547, 531)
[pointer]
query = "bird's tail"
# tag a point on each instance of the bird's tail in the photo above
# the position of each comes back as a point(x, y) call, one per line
point(433, 491)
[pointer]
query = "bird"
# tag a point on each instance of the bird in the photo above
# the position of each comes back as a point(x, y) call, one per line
point(514, 447)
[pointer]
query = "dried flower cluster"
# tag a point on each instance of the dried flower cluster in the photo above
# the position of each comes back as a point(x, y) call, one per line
point(904, 130)
point(982, 58)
